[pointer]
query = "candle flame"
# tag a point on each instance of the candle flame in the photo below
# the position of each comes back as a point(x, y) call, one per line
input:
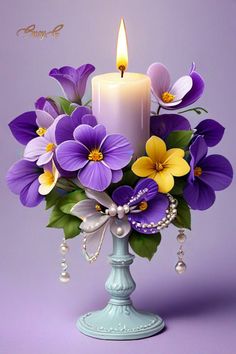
point(122, 49)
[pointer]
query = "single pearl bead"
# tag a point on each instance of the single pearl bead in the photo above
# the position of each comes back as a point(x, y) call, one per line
point(119, 231)
point(64, 277)
point(112, 211)
point(120, 212)
point(180, 267)
point(181, 238)
point(64, 248)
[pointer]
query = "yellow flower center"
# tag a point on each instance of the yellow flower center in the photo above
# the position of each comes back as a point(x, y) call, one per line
point(159, 166)
point(47, 178)
point(95, 155)
point(98, 207)
point(167, 97)
point(41, 131)
point(197, 171)
point(143, 206)
point(50, 147)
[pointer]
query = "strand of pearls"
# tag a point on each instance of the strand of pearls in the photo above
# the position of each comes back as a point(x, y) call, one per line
point(93, 257)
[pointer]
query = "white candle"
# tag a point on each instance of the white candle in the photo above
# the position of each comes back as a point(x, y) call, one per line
point(122, 101)
point(123, 106)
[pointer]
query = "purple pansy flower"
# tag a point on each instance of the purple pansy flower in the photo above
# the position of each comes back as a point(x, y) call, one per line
point(42, 149)
point(22, 179)
point(162, 125)
point(208, 174)
point(73, 81)
point(185, 91)
point(67, 124)
point(98, 158)
point(211, 130)
point(147, 207)
point(32, 124)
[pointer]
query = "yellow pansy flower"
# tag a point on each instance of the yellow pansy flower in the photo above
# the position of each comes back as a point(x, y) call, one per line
point(161, 164)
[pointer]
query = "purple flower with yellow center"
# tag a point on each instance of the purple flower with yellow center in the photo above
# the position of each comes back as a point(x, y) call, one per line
point(208, 174)
point(42, 149)
point(146, 208)
point(22, 179)
point(98, 157)
point(32, 124)
point(185, 91)
point(73, 81)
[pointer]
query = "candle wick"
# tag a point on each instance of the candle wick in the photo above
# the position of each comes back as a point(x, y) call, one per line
point(122, 70)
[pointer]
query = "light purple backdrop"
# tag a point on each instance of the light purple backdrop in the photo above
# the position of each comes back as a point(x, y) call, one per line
point(37, 313)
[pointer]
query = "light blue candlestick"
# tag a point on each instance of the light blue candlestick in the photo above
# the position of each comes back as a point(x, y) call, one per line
point(119, 320)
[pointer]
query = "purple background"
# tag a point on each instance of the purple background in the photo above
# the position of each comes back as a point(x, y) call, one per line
point(38, 313)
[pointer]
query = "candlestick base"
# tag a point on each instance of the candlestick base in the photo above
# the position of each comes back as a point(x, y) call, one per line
point(120, 322)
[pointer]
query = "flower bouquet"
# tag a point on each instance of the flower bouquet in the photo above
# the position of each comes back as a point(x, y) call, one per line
point(93, 184)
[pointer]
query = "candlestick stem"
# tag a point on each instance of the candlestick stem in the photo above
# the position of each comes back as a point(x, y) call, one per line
point(119, 320)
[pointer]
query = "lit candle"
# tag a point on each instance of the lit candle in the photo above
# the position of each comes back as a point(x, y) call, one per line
point(121, 101)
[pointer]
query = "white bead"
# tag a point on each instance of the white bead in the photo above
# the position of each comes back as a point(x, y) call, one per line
point(180, 267)
point(126, 208)
point(64, 248)
point(64, 277)
point(119, 231)
point(181, 238)
point(112, 211)
point(120, 212)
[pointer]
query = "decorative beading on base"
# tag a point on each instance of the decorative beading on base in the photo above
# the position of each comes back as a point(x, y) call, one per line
point(119, 320)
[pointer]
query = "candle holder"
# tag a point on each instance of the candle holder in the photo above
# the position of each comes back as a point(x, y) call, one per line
point(119, 320)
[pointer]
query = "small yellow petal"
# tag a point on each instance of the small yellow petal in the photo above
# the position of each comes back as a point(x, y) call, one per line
point(143, 166)
point(177, 166)
point(165, 181)
point(175, 152)
point(155, 148)
point(46, 178)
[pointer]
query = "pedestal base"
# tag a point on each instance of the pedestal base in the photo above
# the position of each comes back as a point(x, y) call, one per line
point(120, 322)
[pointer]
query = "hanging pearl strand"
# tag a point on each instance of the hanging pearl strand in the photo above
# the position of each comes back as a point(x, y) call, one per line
point(93, 257)
point(64, 276)
point(181, 266)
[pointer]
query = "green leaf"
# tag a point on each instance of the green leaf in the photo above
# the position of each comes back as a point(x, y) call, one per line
point(69, 200)
point(179, 139)
point(178, 187)
point(183, 218)
point(66, 184)
point(52, 198)
point(66, 105)
point(144, 245)
point(69, 223)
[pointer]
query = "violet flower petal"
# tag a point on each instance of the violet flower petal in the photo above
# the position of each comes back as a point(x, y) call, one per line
point(160, 79)
point(71, 155)
point(24, 127)
point(89, 136)
point(95, 175)
point(47, 105)
point(217, 172)
point(122, 195)
point(199, 195)
point(164, 124)
point(19, 179)
point(83, 73)
point(43, 119)
point(117, 151)
point(211, 130)
point(116, 176)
